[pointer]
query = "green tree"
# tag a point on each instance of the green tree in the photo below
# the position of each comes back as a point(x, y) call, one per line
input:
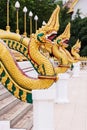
point(84, 51)
point(2, 14)
point(75, 29)
point(79, 31)
point(41, 8)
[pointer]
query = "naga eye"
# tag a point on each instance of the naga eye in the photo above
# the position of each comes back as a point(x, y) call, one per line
point(58, 41)
point(39, 37)
point(40, 34)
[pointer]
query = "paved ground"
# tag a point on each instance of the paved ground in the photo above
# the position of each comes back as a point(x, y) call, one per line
point(73, 116)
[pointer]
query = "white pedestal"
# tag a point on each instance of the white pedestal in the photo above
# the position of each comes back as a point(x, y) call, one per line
point(43, 109)
point(62, 89)
point(5, 125)
point(76, 69)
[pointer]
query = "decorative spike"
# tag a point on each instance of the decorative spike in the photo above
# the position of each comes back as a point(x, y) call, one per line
point(67, 31)
point(9, 86)
point(54, 21)
point(1, 70)
point(4, 79)
point(16, 93)
point(22, 49)
point(78, 44)
point(18, 47)
point(23, 97)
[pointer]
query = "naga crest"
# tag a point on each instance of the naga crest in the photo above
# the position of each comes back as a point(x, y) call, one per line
point(77, 46)
point(48, 32)
point(75, 50)
point(63, 39)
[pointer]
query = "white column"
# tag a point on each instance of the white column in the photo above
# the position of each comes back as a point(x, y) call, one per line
point(43, 109)
point(62, 88)
point(76, 69)
point(4, 125)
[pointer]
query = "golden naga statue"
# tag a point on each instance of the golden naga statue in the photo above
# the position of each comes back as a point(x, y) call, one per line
point(62, 41)
point(19, 84)
point(75, 50)
point(58, 50)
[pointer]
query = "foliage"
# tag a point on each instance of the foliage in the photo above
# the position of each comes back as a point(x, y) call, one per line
point(2, 14)
point(79, 31)
point(84, 51)
point(41, 8)
point(64, 19)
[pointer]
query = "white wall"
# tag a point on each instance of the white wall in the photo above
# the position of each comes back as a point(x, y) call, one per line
point(82, 5)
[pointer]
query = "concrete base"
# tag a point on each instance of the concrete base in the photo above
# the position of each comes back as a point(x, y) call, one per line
point(62, 89)
point(5, 125)
point(43, 109)
point(76, 69)
point(62, 101)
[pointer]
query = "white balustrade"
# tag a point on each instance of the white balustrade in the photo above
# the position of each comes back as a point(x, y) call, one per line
point(43, 108)
point(62, 88)
point(76, 69)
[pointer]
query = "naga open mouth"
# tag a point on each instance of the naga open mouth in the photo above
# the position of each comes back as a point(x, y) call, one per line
point(51, 36)
point(65, 42)
point(77, 49)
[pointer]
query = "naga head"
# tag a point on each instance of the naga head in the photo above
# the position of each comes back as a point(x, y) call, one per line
point(62, 40)
point(48, 32)
point(77, 46)
point(75, 50)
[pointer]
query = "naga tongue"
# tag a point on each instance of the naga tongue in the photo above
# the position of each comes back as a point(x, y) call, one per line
point(51, 37)
point(66, 41)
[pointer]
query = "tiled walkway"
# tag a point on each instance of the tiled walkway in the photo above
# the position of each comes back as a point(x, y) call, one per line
point(73, 116)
